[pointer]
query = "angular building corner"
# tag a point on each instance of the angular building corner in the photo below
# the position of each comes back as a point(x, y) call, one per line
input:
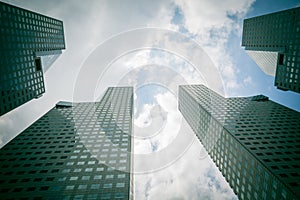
point(75, 151)
point(254, 141)
point(29, 44)
point(273, 42)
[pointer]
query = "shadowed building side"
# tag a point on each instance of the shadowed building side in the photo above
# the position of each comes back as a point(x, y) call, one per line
point(254, 142)
point(26, 38)
point(75, 151)
point(273, 42)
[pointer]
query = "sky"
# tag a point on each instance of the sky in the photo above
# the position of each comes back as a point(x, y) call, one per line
point(154, 46)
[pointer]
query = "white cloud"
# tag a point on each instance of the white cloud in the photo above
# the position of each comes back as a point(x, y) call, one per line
point(144, 118)
point(168, 102)
point(248, 80)
point(212, 22)
point(157, 125)
point(196, 179)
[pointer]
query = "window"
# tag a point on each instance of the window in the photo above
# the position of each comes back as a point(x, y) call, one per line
point(281, 58)
point(89, 169)
point(73, 178)
point(38, 64)
point(70, 187)
point(119, 195)
point(85, 178)
point(119, 185)
point(107, 185)
point(82, 187)
point(99, 169)
point(109, 176)
point(77, 170)
point(97, 177)
point(95, 186)
point(91, 162)
point(121, 175)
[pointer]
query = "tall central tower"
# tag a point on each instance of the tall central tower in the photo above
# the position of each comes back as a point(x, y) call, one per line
point(75, 151)
point(254, 142)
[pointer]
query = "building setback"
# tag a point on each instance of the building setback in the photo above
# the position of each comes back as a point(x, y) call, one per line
point(273, 42)
point(75, 151)
point(254, 141)
point(25, 38)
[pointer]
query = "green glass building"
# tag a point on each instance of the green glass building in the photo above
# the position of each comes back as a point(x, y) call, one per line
point(75, 151)
point(254, 141)
point(273, 42)
point(26, 40)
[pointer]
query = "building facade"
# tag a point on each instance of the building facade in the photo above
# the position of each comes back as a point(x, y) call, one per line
point(273, 42)
point(25, 38)
point(75, 151)
point(254, 141)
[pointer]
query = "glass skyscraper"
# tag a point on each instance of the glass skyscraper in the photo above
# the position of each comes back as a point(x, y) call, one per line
point(75, 151)
point(273, 42)
point(254, 141)
point(28, 44)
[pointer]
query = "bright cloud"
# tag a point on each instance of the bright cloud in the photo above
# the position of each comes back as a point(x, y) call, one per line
point(182, 180)
point(158, 124)
point(211, 23)
point(144, 118)
point(248, 80)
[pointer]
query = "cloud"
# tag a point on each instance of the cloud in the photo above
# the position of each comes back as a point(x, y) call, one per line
point(248, 80)
point(157, 125)
point(196, 179)
point(212, 23)
point(144, 118)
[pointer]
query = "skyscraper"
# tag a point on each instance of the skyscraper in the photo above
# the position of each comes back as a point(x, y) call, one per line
point(26, 40)
point(254, 141)
point(273, 42)
point(75, 151)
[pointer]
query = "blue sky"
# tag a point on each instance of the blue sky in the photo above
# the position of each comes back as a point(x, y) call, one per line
point(154, 46)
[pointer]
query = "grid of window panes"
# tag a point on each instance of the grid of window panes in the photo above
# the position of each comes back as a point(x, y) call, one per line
point(22, 33)
point(279, 32)
point(206, 129)
point(288, 74)
point(66, 154)
point(272, 31)
point(236, 131)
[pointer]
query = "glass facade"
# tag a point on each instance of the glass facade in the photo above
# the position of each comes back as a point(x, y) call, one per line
point(75, 151)
point(23, 33)
point(277, 32)
point(254, 142)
